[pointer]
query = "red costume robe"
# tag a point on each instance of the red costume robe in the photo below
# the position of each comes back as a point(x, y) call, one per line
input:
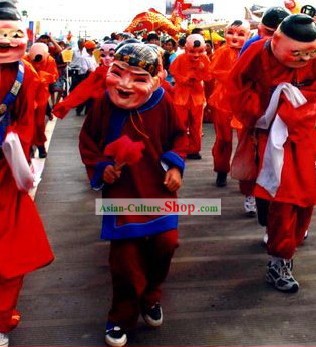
point(222, 63)
point(252, 81)
point(249, 96)
point(188, 95)
point(23, 243)
point(48, 74)
point(157, 126)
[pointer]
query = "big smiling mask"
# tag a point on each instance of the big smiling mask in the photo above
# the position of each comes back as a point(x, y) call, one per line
point(133, 75)
point(13, 38)
point(294, 42)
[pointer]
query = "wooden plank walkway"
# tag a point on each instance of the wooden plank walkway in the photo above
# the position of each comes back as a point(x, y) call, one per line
point(215, 294)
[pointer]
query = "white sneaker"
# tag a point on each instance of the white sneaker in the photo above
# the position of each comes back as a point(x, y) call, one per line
point(265, 238)
point(250, 206)
point(306, 234)
point(4, 340)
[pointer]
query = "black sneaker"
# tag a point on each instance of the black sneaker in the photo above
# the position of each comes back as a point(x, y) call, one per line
point(115, 335)
point(221, 180)
point(280, 276)
point(153, 316)
point(194, 156)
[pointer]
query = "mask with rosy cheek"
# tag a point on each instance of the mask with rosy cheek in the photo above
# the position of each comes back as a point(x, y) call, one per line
point(133, 75)
point(107, 53)
point(292, 53)
point(129, 87)
point(237, 33)
point(294, 42)
point(13, 41)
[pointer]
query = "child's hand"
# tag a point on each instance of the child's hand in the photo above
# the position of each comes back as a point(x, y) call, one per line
point(173, 180)
point(111, 174)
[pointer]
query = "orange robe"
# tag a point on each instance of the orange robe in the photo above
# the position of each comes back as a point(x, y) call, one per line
point(48, 74)
point(222, 63)
point(188, 95)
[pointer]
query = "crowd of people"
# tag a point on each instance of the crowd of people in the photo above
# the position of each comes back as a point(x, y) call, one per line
point(144, 100)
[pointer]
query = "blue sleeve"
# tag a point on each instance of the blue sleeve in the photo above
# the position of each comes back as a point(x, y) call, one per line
point(96, 182)
point(172, 159)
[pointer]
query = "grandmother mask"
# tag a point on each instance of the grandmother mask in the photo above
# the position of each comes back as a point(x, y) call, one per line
point(132, 77)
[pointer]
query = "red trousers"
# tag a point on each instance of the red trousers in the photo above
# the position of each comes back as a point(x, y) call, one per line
point(192, 118)
point(138, 268)
point(286, 227)
point(40, 137)
point(9, 293)
point(223, 145)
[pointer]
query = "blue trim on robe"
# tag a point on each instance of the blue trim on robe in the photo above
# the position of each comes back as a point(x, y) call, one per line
point(172, 159)
point(5, 118)
point(96, 181)
point(110, 231)
point(119, 116)
point(117, 121)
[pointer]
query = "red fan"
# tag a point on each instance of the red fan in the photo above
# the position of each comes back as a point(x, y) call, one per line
point(124, 151)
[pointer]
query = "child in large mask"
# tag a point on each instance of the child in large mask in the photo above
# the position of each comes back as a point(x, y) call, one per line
point(236, 34)
point(272, 90)
point(141, 246)
point(189, 70)
point(23, 243)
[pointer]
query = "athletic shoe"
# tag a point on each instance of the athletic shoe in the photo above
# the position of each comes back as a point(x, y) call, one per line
point(4, 340)
point(306, 234)
point(250, 206)
point(279, 274)
point(153, 316)
point(114, 335)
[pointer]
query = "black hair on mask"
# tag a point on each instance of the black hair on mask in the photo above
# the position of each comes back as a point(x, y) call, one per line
point(8, 10)
point(299, 27)
point(273, 16)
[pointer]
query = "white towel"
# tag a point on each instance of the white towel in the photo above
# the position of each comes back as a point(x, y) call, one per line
point(23, 174)
point(270, 174)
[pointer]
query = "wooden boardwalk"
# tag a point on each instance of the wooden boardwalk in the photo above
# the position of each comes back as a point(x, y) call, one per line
point(215, 294)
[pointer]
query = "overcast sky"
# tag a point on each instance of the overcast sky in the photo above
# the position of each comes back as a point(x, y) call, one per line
point(123, 9)
point(116, 14)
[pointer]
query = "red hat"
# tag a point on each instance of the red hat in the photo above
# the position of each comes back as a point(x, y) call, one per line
point(90, 45)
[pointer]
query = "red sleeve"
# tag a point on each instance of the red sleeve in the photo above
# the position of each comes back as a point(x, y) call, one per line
point(244, 85)
point(222, 62)
point(93, 86)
